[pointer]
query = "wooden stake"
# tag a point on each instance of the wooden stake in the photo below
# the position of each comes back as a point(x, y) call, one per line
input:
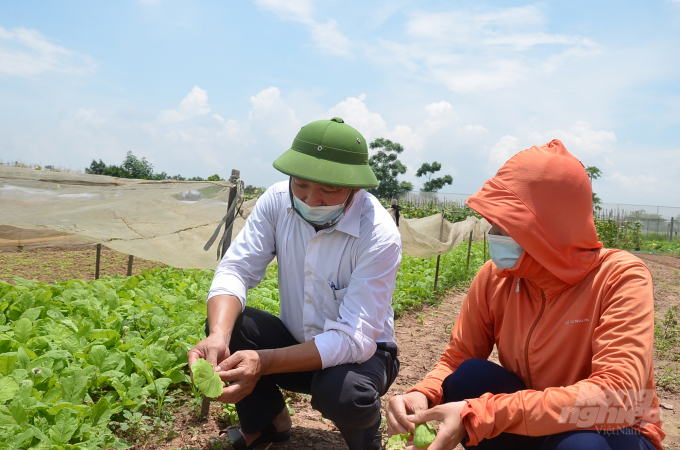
point(484, 247)
point(439, 256)
point(99, 257)
point(469, 248)
point(130, 261)
point(205, 406)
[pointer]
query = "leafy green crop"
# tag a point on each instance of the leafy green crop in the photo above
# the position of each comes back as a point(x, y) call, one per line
point(206, 379)
point(424, 435)
point(78, 357)
point(398, 441)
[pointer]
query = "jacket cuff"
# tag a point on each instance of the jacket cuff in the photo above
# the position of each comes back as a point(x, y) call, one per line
point(468, 419)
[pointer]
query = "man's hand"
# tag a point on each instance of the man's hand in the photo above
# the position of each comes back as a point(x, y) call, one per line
point(451, 430)
point(242, 370)
point(400, 407)
point(213, 349)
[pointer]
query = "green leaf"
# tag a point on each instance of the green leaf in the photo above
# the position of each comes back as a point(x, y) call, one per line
point(23, 329)
point(160, 385)
point(8, 387)
point(162, 360)
point(65, 424)
point(97, 355)
point(137, 382)
point(112, 300)
point(206, 379)
point(398, 441)
point(101, 412)
point(424, 435)
point(6, 361)
point(31, 314)
point(73, 387)
point(23, 360)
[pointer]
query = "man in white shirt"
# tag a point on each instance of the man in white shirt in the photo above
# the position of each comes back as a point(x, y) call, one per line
point(338, 252)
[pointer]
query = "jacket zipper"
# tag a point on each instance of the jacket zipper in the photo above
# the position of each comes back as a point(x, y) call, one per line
point(526, 346)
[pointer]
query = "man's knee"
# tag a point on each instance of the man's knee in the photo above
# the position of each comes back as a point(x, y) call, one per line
point(345, 397)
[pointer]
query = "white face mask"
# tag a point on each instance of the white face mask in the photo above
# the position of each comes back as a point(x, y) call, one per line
point(504, 251)
point(318, 215)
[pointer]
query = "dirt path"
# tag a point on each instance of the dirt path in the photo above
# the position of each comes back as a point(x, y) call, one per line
point(666, 272)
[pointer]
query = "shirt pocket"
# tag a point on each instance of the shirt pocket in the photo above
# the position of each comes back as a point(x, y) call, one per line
point(332, 300)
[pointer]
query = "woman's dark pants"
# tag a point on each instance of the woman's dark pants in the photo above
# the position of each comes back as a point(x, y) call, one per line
point(476, 377)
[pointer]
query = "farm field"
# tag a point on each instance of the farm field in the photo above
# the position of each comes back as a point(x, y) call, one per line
point(160, 418)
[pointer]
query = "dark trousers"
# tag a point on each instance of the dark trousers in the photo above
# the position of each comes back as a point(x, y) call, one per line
point(348, 394)
point(475, 377)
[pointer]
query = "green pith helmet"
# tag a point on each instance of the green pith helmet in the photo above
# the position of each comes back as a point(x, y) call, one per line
point(329, 152)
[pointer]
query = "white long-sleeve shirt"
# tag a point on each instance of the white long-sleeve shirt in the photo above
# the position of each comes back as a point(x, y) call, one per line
point(359, 257)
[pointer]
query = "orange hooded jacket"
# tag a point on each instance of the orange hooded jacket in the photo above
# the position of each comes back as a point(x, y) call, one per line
point(574, 321)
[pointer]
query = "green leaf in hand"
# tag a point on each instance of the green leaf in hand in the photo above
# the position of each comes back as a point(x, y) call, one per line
point(206, 379)
point(424, 435)
point(398, 441)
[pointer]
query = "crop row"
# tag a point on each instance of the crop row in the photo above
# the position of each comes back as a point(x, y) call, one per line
point(77, 357)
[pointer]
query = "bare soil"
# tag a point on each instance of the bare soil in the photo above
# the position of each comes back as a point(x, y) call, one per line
point(51, 264)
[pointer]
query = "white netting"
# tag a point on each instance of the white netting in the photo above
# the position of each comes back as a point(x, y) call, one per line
point(166, 221)
point(433, 235)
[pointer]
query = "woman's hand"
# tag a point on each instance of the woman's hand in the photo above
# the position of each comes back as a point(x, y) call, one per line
point(400, 407)
point(451, 430)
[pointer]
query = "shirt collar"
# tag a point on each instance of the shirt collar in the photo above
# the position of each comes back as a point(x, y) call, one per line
point(351, 222)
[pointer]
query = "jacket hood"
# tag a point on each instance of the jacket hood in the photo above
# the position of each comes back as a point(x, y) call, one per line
point(542, 197)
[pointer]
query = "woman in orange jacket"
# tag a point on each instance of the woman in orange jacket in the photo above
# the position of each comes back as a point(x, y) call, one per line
point(573, 323)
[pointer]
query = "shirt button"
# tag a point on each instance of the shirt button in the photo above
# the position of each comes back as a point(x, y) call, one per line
point(314, 240)
point(309, 272)
point(309, 330)
point(309, 300)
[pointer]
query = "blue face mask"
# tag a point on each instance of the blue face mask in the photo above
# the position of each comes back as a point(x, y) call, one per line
point(318, 215)
point(504, 251)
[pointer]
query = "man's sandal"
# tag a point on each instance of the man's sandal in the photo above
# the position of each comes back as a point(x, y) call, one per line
point(234, 440)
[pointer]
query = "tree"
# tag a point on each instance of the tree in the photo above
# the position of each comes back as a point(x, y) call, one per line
point(137, 168)
point(433, 184)
point(594, 173)
point(386, 167)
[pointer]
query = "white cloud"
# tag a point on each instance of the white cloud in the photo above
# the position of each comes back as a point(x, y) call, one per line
point(438, 109)
point(28, 53)
point(89, 117)
point(470, 51)
point(580, 139)
point(194, 104)
point(638, 183)
point(327, 38)
point(503, 151)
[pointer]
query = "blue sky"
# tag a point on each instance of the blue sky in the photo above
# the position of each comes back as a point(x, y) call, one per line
point(204, 87)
